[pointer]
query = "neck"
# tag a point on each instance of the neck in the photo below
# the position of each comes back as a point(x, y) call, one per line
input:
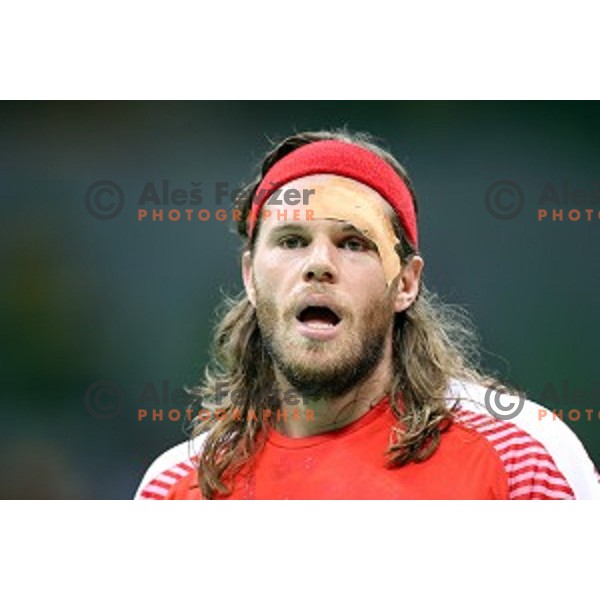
point(321, 414)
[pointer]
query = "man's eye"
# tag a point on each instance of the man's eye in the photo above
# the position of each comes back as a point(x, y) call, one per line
point(291, 242)
point(355, 245)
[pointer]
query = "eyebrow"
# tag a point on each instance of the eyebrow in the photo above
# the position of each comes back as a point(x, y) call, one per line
point(295, 227)
point(286, 228)
point(351, 229)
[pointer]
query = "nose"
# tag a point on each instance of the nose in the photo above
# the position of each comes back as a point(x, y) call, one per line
point(320, 263)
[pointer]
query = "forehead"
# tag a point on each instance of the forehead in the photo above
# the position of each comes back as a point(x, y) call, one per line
point(325, 196)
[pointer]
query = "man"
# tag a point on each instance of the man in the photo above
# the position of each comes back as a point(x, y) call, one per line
point(343, 376)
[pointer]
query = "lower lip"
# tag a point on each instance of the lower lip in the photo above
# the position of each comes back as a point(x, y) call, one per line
point(314, 333)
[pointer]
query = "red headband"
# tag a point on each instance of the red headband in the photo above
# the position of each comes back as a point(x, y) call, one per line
point(347, 160)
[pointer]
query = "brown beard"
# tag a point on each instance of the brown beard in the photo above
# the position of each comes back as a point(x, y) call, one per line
point(312, 375)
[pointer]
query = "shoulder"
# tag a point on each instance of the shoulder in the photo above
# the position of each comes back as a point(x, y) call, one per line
point(541, 455)
point(169, 470)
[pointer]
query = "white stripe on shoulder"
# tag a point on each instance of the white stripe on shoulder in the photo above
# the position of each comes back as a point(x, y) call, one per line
point(168, 468)
point(564, 447)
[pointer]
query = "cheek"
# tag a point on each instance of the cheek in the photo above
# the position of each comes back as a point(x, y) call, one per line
point(269, 286)
point(266, 280)
point(366, 275)
point(371, 294)
point(278, 272)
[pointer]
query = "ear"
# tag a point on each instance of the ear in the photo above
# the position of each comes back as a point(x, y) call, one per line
point(409, 283)
point(247, 276)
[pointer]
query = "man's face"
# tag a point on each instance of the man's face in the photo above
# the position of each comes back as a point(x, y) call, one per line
point(323, 306)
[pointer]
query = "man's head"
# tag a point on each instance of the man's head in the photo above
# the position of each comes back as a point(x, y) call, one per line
point(331, 297)
point(326, 281)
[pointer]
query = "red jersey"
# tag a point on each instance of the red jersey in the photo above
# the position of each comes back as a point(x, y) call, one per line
point(479, 457)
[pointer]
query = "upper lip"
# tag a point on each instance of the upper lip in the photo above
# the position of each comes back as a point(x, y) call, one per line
point(319, 301)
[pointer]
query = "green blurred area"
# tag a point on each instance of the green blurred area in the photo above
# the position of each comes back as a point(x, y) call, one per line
point(86, 300)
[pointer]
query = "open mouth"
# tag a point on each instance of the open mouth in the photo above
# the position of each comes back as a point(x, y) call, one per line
point(318, 317)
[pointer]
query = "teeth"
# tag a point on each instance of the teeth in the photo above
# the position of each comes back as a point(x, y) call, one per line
point(320, 325)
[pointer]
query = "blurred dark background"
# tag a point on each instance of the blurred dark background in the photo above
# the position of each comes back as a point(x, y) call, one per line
point(87, 300)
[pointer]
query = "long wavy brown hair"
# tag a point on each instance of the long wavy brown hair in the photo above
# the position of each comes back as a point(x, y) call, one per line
point(432, 343)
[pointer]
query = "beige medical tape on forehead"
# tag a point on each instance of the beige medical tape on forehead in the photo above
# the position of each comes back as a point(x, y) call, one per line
point(344, 202)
